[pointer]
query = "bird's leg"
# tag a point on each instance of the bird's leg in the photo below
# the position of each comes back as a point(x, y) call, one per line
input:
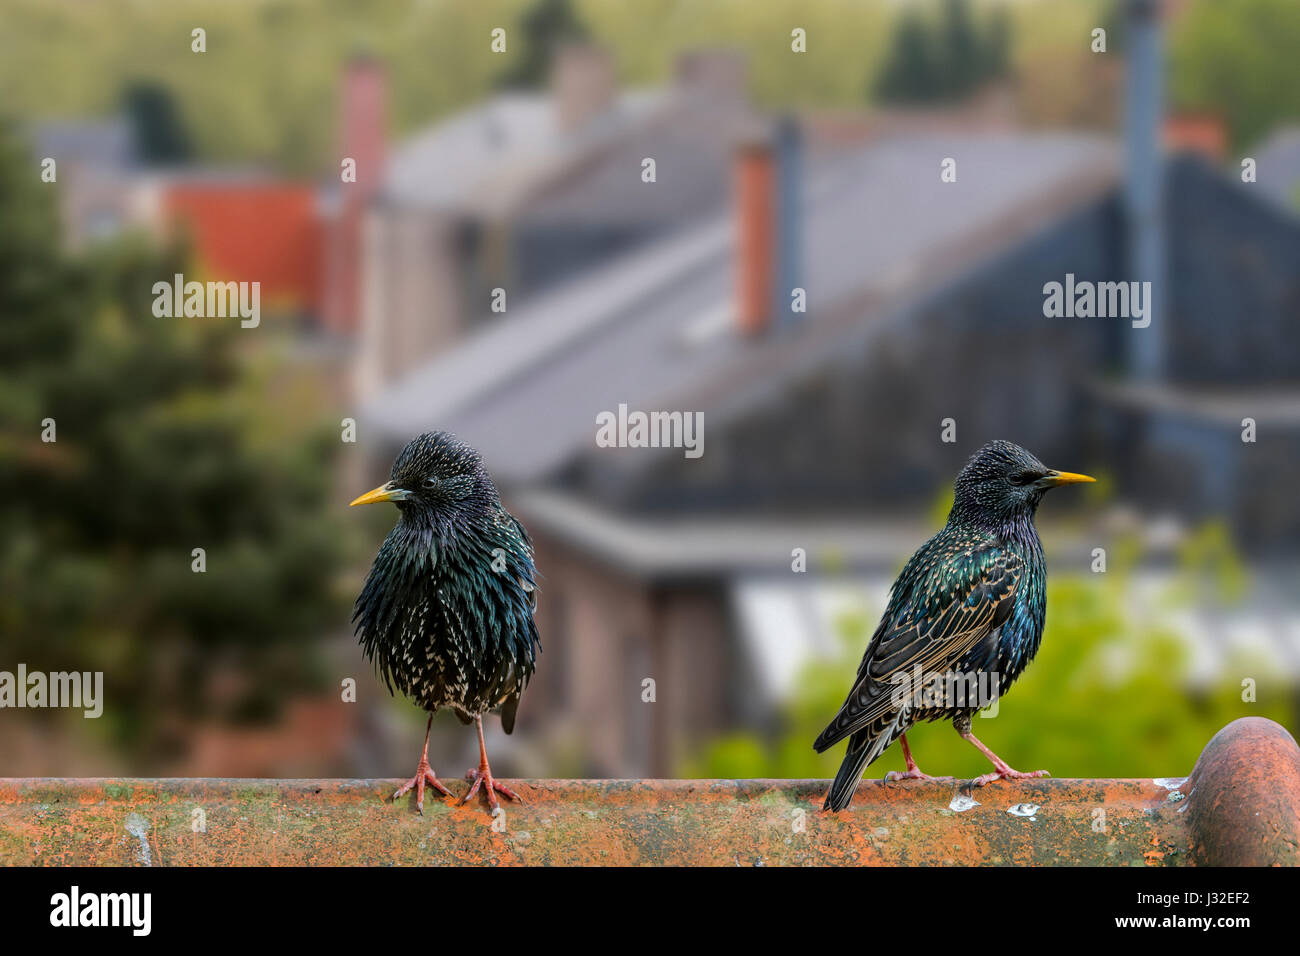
point(483, 775)
point(913, 771)
point(423, 774)
point(1003, 770)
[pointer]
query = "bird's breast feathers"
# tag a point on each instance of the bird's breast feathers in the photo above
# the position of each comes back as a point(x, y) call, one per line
point(447, 617)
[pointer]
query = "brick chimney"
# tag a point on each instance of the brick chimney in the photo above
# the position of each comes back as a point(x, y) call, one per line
point(582, 84)
point(755, 198)
point(1202, 133)
point(768, 218)
point(713, 74)
point(363, 119)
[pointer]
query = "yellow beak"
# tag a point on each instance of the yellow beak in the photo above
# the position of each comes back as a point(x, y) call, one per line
point(1066, 478)
point(385, 492)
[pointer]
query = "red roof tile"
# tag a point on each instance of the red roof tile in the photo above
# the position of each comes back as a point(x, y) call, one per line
point(263, 232)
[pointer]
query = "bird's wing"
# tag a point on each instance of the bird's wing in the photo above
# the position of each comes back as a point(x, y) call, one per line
point(973, 596)
point(519, 526)
point(529, 584)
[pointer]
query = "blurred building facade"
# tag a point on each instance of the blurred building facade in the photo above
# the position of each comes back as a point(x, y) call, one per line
point(818, 427)
point(529, 188)
point(241, 224)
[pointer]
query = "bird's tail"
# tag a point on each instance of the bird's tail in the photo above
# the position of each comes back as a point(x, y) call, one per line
point(863, 750)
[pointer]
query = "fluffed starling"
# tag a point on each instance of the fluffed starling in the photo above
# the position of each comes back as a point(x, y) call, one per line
point(446, 613)
point(966, 613)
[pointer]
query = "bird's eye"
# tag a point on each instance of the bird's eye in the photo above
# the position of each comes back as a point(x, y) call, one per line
point(1023, 477)
point(430, 482)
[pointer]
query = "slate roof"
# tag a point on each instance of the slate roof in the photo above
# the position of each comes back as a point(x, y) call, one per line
point(653, 328)
point(483, 158)
point(102, 146)
point(1277, 173)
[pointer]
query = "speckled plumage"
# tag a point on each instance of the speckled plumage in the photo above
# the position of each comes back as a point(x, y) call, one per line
point(446, 613)
point(972, 601)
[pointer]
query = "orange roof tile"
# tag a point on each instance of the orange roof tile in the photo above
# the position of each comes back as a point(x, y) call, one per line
point(264, 232)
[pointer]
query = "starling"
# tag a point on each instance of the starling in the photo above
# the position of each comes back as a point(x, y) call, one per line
point(446, 613)
point(966, 611)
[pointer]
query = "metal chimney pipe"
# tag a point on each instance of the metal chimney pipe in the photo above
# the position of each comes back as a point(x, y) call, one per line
point(789, 219)
point(1143, 187)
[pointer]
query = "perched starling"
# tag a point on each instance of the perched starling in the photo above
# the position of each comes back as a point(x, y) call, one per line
point(446, 613)
point(967, 608)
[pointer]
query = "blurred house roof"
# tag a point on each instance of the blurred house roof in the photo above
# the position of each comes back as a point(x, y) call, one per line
point(690, 547)
point(654, 329)
point(1278, 168)
point(484, 159)
point(1270, 404)
point(691, 140)
point(103, 146)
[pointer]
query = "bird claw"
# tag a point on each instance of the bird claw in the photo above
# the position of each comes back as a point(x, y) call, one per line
point(914, 774)
point(482, 776)
point(423, 775)
point(1006, 773)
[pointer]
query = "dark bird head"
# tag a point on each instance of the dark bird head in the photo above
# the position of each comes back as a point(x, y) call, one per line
point(1002, 483)
point(435, 475)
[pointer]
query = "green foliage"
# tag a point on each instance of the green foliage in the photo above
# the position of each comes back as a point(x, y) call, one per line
point(1211, 565)
point(266, 90)
point(943, 59)
point(1237, 60)
point(1108, 695)
point(545, 26)
point(164, 444)
point(159, 134)
point(1059, 80)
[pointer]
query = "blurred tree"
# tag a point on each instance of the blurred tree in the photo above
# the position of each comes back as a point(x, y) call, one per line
point(1059, 81)
point(943, 60)
point(160, 136)
point(266, 90)
point(995, 52)
point(545, 26)
point(963, 57)
point(1238, 61)
point(910, 73)
point(163, 445)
